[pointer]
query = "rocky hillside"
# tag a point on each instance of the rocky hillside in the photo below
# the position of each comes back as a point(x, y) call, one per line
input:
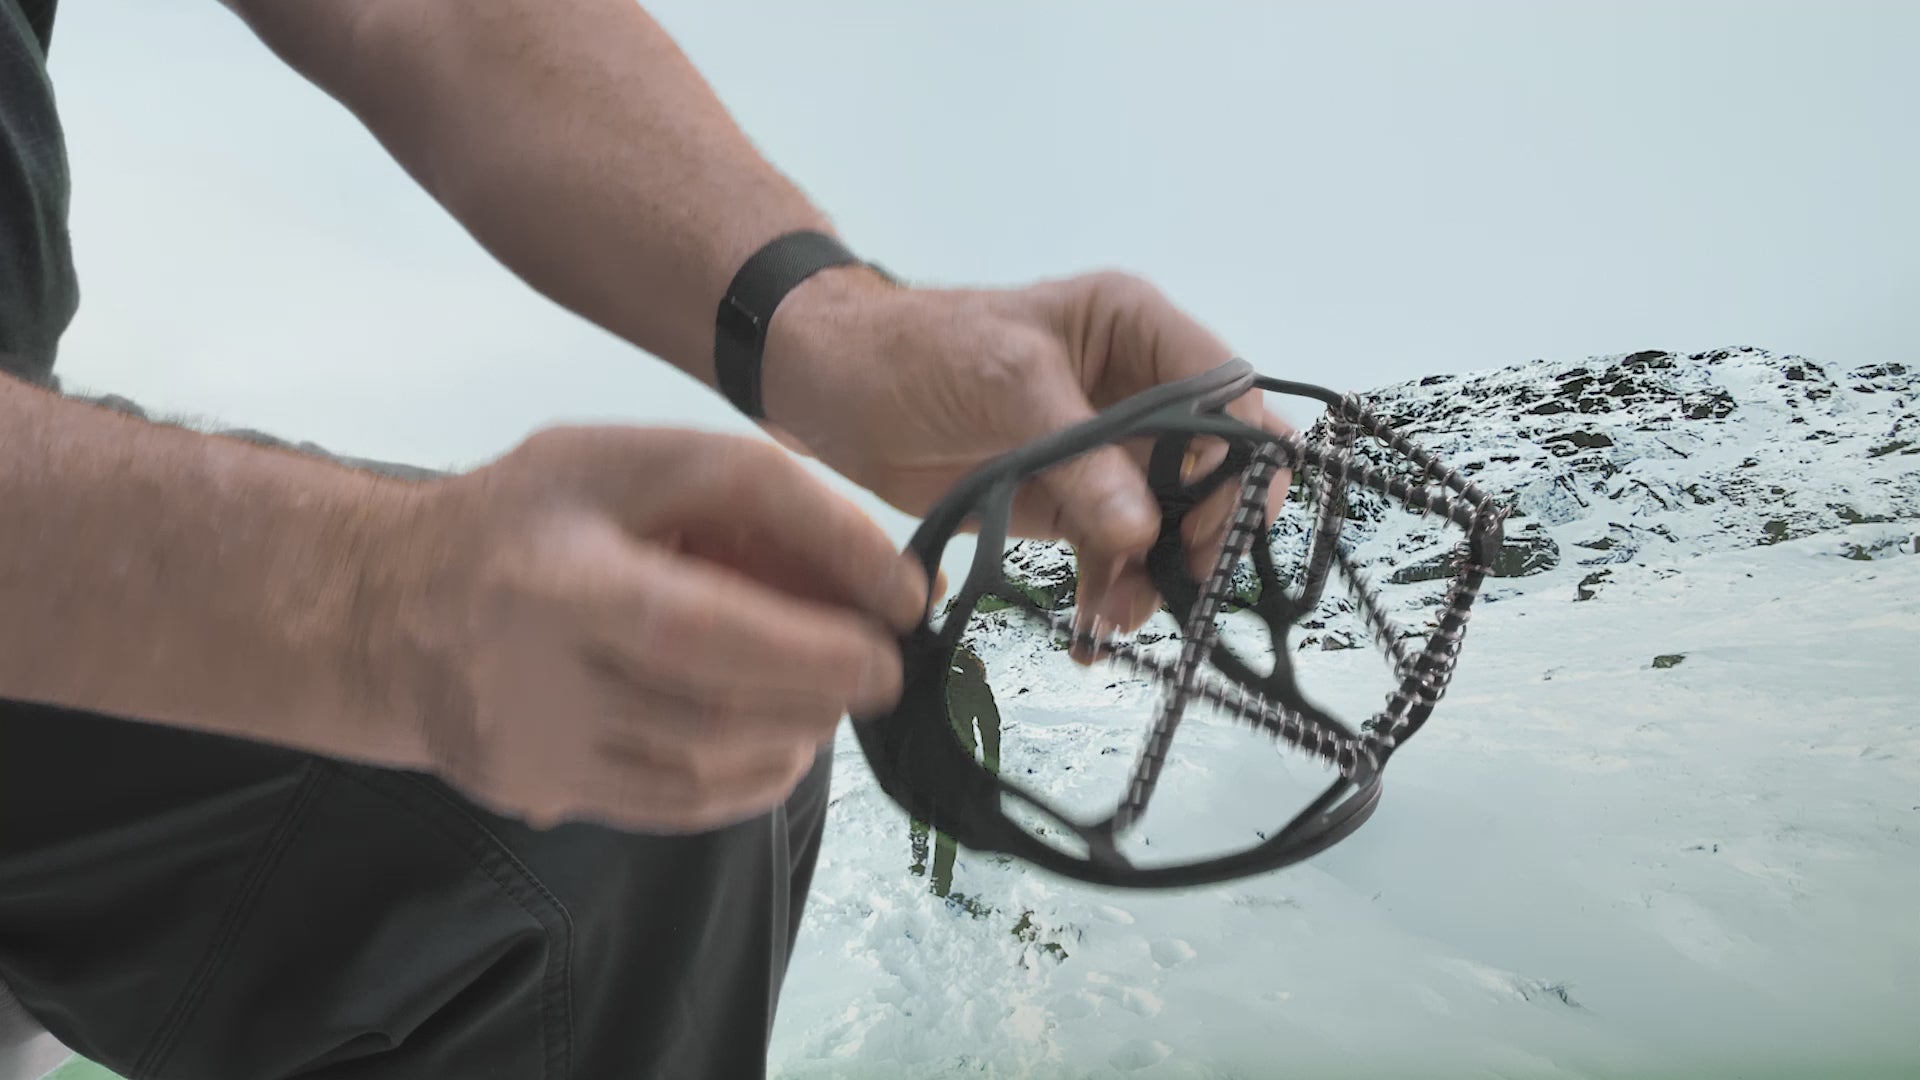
point(1649, 457)
point(1654, 456)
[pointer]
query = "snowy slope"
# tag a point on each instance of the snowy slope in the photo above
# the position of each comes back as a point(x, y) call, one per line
point(1656, 456)
point(1586, 866)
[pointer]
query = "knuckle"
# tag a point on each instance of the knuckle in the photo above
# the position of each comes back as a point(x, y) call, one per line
point(743, 463)
point(1124, 289)
point(547, 440)
point(648, 629)
point(724, 716)
point(704, 778)
point(561, 451)
point(733, 473)
point(1007, 371)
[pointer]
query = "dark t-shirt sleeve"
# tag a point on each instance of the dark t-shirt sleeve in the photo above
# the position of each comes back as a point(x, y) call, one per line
point(38, 288)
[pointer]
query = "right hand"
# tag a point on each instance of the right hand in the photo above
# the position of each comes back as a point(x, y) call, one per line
point(656, 629)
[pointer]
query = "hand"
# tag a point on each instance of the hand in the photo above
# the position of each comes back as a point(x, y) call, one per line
point(905, 390)
point(656, 629)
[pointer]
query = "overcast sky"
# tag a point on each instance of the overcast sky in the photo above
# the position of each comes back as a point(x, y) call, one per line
point(1351, 193)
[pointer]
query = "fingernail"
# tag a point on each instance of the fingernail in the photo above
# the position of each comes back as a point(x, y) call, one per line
point(903, 599)
point(1121, 608)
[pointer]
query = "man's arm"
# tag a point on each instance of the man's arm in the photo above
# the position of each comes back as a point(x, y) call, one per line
point(561, 633)
point(575, 141)
point(154, 572)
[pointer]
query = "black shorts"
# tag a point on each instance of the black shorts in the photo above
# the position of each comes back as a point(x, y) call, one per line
point(190, 906)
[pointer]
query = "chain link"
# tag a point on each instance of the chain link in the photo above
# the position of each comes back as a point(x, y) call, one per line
point(1423, 676)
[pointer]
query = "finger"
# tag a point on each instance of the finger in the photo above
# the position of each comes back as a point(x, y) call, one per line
point(758, 506)
point(796, 575)
point(634, 787)
point(1150, 340)
point(672, 708)
point(1131, 338)
point(1100, 501)
point(1206, 527)
point(1132, 599)
point(1109, 536)
point(704, 625)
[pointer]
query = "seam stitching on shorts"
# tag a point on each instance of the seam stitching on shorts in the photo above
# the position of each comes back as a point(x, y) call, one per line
point(184, 1007)
point(557, 980)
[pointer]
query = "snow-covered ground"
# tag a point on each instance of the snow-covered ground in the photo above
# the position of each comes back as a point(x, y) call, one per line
point(1586, 865)
point(1583, 866)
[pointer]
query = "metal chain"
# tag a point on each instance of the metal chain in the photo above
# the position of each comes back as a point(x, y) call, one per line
point(1198, 634)
point(1429, 671)
point(1227, 697)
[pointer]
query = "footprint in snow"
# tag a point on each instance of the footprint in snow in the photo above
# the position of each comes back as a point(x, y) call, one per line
point(1139, 1054)
point(1171, 952)
point(1137, 1000)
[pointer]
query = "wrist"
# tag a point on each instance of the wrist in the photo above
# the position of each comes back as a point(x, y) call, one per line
point(160, 574)
point(830, 329)
point(304, 599)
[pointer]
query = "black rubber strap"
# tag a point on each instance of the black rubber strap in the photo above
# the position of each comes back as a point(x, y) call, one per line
point(740, 329)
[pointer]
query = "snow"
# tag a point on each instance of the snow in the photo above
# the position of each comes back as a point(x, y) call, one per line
point(1585, 865)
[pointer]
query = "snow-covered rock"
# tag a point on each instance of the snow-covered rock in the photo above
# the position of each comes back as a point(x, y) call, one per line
point(1658, 457)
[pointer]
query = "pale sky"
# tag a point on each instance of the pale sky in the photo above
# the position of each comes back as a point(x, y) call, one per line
point(1350, 193)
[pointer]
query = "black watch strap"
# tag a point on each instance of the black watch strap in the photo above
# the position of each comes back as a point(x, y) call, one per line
point(765, 279)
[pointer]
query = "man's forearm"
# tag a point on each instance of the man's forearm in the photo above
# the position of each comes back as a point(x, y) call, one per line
point(572, 138)
point(156, 573)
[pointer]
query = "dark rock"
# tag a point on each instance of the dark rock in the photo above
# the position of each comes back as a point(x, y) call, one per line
point(1854, 517)
point(120, 404)
point(1528, 552)
point(258, 438)
point(1715, 404)
point(391, 468)
point(1572, 442)
point(1669, 660)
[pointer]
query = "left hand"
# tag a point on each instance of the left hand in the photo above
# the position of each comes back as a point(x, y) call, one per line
point(905, 390)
